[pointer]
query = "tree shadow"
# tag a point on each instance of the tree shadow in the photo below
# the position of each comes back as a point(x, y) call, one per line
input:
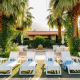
point(40, 72)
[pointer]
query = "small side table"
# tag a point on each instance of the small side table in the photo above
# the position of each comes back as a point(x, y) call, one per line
point(2, 60)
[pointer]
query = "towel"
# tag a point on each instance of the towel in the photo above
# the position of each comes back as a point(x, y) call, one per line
point(50, 59)
point(30, 59)
point(66, 63)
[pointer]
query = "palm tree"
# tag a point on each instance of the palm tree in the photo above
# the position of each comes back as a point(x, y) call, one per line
point(13, 7)
point(73, 8)
point(57, 22)
point(9, 13)
point(50, 21)
point(26, 22)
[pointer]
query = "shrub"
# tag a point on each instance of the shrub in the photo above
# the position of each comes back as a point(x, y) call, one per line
point(53, 42)
point(30, 43)
point(7, 33)
point(14, 47)
point(26, 42)
point(19, 39)
point(73, 44)
point(47, 43)
point(0, 50)
point(39, 40)
point(59, 42)
point(6, 54)
point(65, 41)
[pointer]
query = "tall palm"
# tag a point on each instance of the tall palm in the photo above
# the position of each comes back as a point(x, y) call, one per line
point(26, 23)
point(29, 18)
point(25, 20)
point(73, 8)
point(9, 12)
point(12, 7)
point(50, 20)
point(57, 22)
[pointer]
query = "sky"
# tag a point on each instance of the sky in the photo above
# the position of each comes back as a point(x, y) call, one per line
point(40, 13)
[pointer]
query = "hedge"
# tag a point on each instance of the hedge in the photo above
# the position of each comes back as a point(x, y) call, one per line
point(33, 44)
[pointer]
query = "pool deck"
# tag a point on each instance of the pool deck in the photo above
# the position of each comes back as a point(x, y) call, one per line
point(39, 56)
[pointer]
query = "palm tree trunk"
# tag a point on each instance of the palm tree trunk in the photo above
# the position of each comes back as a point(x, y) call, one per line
point(75, 28)
point(59, 30)
point(75, 14)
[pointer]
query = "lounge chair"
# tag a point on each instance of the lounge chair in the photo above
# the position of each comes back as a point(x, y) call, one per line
point(13, 60)
point(25, 47)
point(67, 57)
point(30, 63)
point(62, 45)
point(78, 58)
point(79, 53)
point(58, 49)
point(54, 47)
point(61, 48)
point(50, 63)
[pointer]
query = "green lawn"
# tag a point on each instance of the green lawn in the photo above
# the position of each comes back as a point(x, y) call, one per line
point(40, 72)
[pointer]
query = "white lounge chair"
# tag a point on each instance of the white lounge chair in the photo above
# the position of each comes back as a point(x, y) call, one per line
point(62, 48)
point(78, 58)
point(51, 65)
point(66, 49)
point(62, 45)
point(79, 53)
point(10, 64)
point(29, 65)
point(74, 66)
point(25, 47)
point(54, 47)
point(58, 49)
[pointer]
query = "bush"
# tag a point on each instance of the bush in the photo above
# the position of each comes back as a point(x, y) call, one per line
point(7, 32)
point(39, 40)
point(14, 47)
point(32, 43)
point(47, 43)
point(65, 42)
point(26, 42)
point(59, 41)
point(73, 44)
point(19, 39)
point(53, 42)
point(6, 54)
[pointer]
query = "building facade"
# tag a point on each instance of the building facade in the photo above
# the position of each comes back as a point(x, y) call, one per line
point(45, 34)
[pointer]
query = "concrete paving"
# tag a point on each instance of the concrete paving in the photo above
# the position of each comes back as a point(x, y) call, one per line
point(39, 56)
